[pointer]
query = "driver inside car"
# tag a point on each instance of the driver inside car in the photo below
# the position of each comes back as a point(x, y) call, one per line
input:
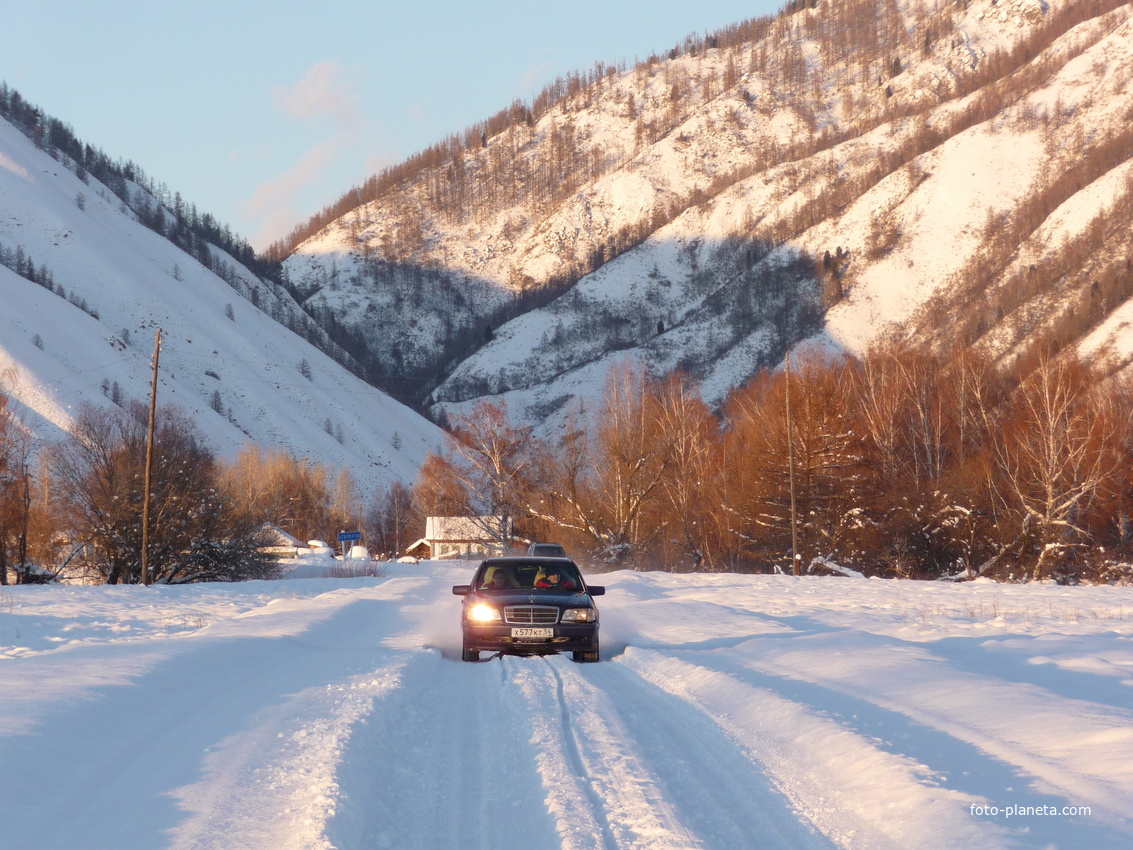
point(554, 579)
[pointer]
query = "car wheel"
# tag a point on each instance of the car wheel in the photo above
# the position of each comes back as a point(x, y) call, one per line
point(470, 654)
point(585, 656)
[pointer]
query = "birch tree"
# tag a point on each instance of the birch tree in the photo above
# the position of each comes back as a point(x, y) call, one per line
point(1052, 461)
point(491, 460)
point(690, 488)
point(603, 482)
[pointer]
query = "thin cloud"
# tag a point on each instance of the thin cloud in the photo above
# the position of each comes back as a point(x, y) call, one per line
point(322, 91)
point(375, 162)
point(532, 76)
point(274, 201)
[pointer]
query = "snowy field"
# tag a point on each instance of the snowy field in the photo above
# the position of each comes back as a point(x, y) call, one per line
point(729, 712)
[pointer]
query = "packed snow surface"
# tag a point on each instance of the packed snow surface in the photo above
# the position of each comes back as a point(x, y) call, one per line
point(728, 712)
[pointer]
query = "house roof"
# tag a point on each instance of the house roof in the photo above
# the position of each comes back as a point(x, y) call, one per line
point(276, 536)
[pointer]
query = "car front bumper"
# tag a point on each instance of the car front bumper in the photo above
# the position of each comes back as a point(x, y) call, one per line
point(498, 638)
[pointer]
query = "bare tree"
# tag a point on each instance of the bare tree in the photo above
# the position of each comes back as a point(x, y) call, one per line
point(276, 487)
point(15, 492)
point(690, 486)
point(491, 460)
point(603, 485)
point(390, 519)
point(830, 467)
point(561, 496)
point(630, 457)
point(1051, 461)
point(436, 492)
point(925, 421)
point(196, 532)
point(879, 405)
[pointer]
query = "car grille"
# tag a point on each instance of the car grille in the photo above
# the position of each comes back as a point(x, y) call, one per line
point(531, 615)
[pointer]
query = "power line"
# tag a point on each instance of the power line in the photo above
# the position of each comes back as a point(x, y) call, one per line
point(76, 374)
point(270, 365)
point(284, 383)
point(131, 362)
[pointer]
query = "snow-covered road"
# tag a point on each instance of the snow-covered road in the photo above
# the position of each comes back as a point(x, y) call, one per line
point(730, 712)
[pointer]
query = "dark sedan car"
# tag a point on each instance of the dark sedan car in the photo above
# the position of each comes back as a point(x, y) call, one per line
point(529, 606)
point(546, 550)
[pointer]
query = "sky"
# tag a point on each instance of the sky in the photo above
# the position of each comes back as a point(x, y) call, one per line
point(262, 112)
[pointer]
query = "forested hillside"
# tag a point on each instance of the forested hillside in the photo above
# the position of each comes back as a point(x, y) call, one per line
point(953, 172)
point(116, 291)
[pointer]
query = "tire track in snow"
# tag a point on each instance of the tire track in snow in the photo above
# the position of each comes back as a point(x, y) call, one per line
point(227, 707)
point(913, 696)
point(714, 790)
point(273, 785)
point(445, 761)
point(628, 767)
point(599, 792)
point(575, 760)
point(946, 760)
point(972, 706)
point(561, 775)
point(855, 793)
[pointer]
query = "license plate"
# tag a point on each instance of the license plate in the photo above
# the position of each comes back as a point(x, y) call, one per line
point(532, 633)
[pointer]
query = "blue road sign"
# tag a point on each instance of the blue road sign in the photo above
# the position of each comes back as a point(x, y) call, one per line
point(344, 536)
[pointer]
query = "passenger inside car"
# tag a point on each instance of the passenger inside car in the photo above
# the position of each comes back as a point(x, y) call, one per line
point(498, 579)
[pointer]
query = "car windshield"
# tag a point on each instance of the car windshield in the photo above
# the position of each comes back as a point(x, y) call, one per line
point(529, 577)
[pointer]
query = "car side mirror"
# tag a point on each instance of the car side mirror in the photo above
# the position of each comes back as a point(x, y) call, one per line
point(595, 590)
point(461, 589)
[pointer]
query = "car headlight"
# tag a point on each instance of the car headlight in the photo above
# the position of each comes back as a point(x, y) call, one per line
point(579, 615)
point(482, 613)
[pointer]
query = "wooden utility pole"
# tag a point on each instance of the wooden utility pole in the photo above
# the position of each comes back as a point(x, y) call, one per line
point(795, 570)
point(149, 460)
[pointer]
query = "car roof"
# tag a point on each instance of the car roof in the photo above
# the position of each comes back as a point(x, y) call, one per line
point(533, 560)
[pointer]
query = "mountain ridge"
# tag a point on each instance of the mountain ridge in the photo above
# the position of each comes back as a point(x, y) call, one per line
point(955, 173)
point(836, 132)
point(87, 283)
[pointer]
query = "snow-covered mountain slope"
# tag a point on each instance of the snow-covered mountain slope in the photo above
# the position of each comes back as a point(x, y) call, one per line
point(729, 711)
point(90, 337)
point(964, 166)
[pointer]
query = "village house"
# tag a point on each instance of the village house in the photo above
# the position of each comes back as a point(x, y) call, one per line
point(461, 537)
